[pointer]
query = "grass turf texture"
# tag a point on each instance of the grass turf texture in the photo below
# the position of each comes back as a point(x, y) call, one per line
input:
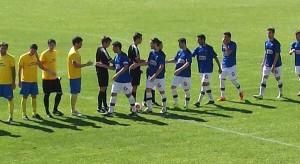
point(234, 131)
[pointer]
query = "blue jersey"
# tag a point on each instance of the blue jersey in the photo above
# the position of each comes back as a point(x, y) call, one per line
point(182, 57)
point(229, 60)
point(120, 61)
point(272, 47)
point(205, 56)
point(296, 46)
point(155, 59)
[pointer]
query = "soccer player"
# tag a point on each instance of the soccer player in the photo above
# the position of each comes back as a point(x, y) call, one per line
point(27, 74)
point(271, 63)
point(103, 57)
point(7, 78)
point(155, 74)
point(182, 74)
point(51, 83)
point(122, 79)
point(295, 49)
point(74, 72)
point(134, 56)
point(229, 66)
point(205, 55)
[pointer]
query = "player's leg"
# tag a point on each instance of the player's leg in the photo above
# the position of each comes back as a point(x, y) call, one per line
point(206, 83)
point(128, 92)
point(75, 87)
point(34, 92)
point(202, 92)
point(149, 86)
point(175, 83)
point(233, 78)
point(222, 77)
point(56, 85)
point(46, 89)
point(8, 94)
point(297, 71)
point(277, 74)
point(115, 88)
point(160, 85)
point(263, 85)
point(135, 82)
point(186, 84)
point(25, 91)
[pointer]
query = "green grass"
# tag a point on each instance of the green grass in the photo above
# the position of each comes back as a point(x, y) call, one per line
point(234, 131)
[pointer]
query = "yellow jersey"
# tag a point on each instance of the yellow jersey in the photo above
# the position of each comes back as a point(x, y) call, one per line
point(48, 60)
point(73, 56)
point(6, 62)
point(29, 67)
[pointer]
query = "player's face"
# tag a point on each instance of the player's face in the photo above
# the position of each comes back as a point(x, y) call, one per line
point(51, 46)
point(78, 45)
point(181, 45)
point(226, 39)
point(115, 49)
point(32, 51)
point(200, 41)
point(3, 50)
point(161, 46)
point(298, 37)
point(270, 34)
point(106, 44)
point(139, 40)
point(152, 45)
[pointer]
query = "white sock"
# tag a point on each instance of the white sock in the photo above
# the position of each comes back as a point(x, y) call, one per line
point(112, 103)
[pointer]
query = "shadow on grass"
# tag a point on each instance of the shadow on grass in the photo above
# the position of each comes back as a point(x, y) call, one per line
point(200, 112)
point(233, 109)
point(21, 124)
point(175, 116)
point(286, 99)
point(55, 124)
point(140, 118)
point(6, 133)
point(78, 121)
point(104, 120)
point(247, 102)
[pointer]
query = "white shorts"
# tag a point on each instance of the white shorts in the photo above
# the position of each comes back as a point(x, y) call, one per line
point(159, 83)
point(205, 77)
point(297, 70)
point(184, 82)
point(121, 87)
point(267, 71)
point(228, 71)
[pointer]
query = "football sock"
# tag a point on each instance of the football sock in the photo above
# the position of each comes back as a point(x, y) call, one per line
point(99, 100)
point(187, 98)
point(175, 95)
point(104, 99)
point(153, 95)
point(23, 105)
point(112, 103)
point(46, 102)
point(263, 86)
point(149, 100)
point(280, 84)
point(222, 87)
point(201, 94)
point(209, 94)
point(237, 85)
point(134, 94)
point(164, 100)
point(131, 100)
point(57, 101)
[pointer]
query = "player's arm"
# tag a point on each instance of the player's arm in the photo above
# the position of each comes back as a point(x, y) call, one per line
point(135, 65)
point(13, 72)
point(292, 51)
point(228, 51)
point(19, 75)
point(139, 60)
point(275, 61)
point(121, 71)
point(184, 66)
point(100, 64)
point(160, 68)
point(170, 61)
point(76, 65)
point(42, 67)
point(219, 65)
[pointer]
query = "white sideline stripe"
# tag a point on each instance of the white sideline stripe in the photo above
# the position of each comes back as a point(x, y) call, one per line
point(243, 134)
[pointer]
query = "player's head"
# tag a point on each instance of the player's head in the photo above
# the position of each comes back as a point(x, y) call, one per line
point(32, 49)
point(297, 33)
point(227, 37)
point(117, 46)
point(154, 43)
point(182, 43)
point(201, 39)
point(137, 38)
point(106, 41)
point(161, 46)
point(271, 32)
point(77, 42)
point(3, 48)
point(51, 44)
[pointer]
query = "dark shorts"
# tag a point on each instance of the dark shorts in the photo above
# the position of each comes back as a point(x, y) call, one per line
point(75, 86)
point(103, 79)
point(6, 91)
point(135, 77)
point(50, 86)
point(29, 88)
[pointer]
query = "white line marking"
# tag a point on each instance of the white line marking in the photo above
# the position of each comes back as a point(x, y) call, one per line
point(244, 134)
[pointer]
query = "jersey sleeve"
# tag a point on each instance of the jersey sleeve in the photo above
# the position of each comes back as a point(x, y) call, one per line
point(125, 60)
point(292, 46)
point(162, 58)
point(98, 54)
point(213, 53)
point(232, 46)
point(188, 56)
point(194, 53)
point(12, 62)
point(277, 48)
point(43, 57)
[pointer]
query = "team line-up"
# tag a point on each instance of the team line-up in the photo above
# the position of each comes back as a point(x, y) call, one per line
point(128, 72)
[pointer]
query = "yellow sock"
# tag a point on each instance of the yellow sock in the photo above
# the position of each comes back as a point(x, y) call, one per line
point(33, 104)
point(11, 107)
point(73, 101)
point(23, 105)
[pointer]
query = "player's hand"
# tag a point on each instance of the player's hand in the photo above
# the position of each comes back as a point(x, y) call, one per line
point(152, 78)
point(89, 63)
point(115, 77)
point(272, 69)
point(13, 86)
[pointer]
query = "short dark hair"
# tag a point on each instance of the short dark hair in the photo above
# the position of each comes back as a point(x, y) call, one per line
point(117, 44)
point(137, 36)
point(271, 29)
point(227, 34)
point(77, 39)
point(4, 44)
point(51, 41)
point(297, 32)
point(34, 46)
point(156, 41)
point(182, 40)
point(201, 36)
point(105, 39)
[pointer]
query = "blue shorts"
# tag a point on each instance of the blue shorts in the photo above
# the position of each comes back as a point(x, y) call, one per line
point(6, 91)
point(29, 88)
point(75, 86)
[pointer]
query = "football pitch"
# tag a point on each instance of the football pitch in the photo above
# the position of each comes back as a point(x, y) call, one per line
point(234, 131)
